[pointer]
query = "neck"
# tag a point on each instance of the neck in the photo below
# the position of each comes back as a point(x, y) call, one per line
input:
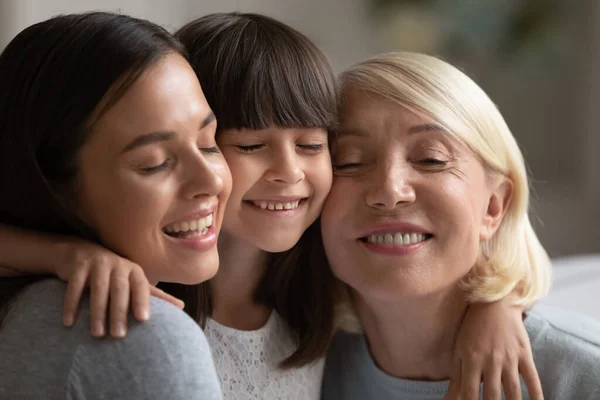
point(412, 338)
point(241, 269)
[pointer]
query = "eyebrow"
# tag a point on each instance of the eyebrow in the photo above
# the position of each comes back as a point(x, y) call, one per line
point(426, 128)
point(161, 136)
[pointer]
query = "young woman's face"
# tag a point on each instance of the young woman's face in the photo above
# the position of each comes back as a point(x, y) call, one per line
point(152, 181)
point(281, 178)
point(409, 203)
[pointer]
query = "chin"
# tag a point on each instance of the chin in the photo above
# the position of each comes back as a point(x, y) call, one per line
point(196, 271)
point(277, 246)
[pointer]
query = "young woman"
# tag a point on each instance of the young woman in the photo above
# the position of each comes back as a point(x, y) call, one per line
point(429, 213)
point(268, 313)
point(90, 105)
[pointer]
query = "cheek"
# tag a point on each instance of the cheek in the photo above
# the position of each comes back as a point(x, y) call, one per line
point(124, 211)
point(320, 175)
point(335, 208)
point(460, 204)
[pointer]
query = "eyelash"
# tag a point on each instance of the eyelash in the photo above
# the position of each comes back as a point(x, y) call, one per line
point(434, 161)
point(311, 147)
point(157, 168)
point(211, 150)
point(346, 166)
point(254, 147)
point(249, 148)
point(164, 165)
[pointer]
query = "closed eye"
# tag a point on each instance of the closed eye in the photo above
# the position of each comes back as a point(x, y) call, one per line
point(433, 161)
point(211, 150)
point(311, 147)
point(346, 166)
point(156, 168)
point(249, 148)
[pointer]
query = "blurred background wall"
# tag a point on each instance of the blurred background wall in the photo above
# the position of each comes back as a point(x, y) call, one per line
point(539, 60)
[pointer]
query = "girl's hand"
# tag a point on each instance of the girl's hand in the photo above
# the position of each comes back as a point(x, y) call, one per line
point(110, 278)
point(493, 346)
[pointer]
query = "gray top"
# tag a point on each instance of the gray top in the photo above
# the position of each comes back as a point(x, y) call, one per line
point(165, 358)
point(566, 350)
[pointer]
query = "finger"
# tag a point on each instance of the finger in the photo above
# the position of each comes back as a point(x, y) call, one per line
point(492, 383)
point(511, 384)
point(75, 289)
point(140, 295)
point(471, 380)
point(531, 378)
point(455, 379)
point(99, 286)
point(119, 303)
point(160, 294)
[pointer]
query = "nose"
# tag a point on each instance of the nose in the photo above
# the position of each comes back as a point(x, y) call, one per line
point(203, 178)
point(391, 187)
point(285, 166)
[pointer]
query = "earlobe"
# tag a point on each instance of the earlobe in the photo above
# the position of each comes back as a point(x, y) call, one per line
point(497, 206)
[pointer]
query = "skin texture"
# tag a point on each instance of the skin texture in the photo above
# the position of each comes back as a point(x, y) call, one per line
point(265, 165)
point(404, 170)
point(129, 196)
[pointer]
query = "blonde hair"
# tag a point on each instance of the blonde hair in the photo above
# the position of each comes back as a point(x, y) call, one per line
point(513, 260)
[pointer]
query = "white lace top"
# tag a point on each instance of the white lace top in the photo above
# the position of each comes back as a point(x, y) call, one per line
point(247, 362)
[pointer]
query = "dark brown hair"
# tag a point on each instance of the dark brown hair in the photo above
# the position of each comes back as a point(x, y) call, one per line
point(257, 72)
point(56, 78)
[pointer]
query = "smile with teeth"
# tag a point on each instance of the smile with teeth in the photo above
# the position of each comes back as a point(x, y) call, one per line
point(277, 206)
point(397, 238)
point(190, 229)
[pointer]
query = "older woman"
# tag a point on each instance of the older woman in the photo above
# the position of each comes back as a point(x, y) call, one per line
point(428, 212)
point(105, 134)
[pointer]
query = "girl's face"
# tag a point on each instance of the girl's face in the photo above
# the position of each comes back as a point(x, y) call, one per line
point(152, 182)
point(281, 178)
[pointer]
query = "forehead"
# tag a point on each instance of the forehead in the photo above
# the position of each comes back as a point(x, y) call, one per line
point(368, 115)
point(167, 96)
point(359, 107)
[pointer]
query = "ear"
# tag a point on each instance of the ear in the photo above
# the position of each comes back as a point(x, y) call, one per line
point(498, 203)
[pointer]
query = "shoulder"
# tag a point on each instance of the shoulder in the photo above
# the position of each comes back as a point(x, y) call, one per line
point(554, 325)
point(566, 351)
point(46, 294)
point(166, 357)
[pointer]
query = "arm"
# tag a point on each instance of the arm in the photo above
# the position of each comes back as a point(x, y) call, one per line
point(166, 358)
point(493, 346)
point(24, 252)
point(82, 264)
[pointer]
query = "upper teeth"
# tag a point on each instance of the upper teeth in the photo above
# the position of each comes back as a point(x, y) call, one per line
point(396, 238)
point(267, 205)
point(191, 225)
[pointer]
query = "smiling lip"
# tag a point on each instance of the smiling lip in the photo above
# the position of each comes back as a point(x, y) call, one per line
point(200, 243)
point(282, 212)
point(201, 213)
point(391, 228)
point(394, 249)
point(278, 199)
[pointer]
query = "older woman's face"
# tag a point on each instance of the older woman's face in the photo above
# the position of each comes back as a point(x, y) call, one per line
point(409, 204)
point(152, 182)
